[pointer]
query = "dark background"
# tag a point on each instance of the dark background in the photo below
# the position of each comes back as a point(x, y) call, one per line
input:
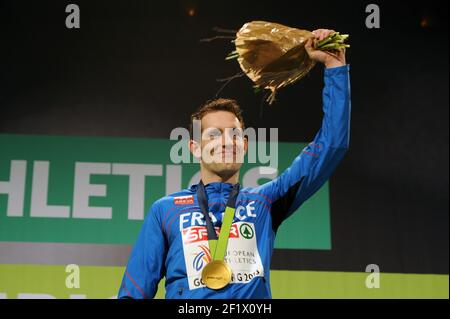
point(137, 69)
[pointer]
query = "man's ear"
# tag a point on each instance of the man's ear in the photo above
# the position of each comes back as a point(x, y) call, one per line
point(245, 144)
point(195, 149)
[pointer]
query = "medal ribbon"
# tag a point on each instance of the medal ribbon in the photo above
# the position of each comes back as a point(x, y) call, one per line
point(218, 246)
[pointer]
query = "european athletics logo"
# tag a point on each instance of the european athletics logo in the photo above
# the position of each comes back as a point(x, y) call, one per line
point(204, 256)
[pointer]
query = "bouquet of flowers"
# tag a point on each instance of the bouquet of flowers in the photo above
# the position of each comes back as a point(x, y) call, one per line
point(273, 55)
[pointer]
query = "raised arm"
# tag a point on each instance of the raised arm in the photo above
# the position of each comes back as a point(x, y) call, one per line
point(316, 162)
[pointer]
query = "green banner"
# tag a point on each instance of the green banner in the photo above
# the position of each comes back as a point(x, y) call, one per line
point(97, 189)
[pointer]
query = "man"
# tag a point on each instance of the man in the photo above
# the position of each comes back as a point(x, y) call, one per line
point(178, 239)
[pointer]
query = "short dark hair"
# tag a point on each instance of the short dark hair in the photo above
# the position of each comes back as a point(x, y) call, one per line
point(220, 104)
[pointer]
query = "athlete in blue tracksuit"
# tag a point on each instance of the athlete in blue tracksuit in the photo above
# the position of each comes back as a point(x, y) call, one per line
point(173, 242)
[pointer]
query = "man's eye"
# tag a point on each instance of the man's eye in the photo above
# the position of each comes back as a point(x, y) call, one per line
point(211, 134)
point(214, 135)
point(237, 134)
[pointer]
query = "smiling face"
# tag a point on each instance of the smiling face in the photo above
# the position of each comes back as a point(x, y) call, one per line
point(223, 145)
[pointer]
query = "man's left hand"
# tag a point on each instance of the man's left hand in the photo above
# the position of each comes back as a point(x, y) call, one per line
point(331, 59)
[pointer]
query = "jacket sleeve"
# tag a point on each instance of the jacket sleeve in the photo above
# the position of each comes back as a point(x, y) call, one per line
point(146, 265)
point(316, 162)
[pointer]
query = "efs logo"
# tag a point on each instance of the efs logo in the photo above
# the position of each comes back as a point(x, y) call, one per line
point(199, 233)
point(203, 257)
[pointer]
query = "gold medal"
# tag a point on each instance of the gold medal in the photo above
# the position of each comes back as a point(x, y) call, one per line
point(216, 274)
